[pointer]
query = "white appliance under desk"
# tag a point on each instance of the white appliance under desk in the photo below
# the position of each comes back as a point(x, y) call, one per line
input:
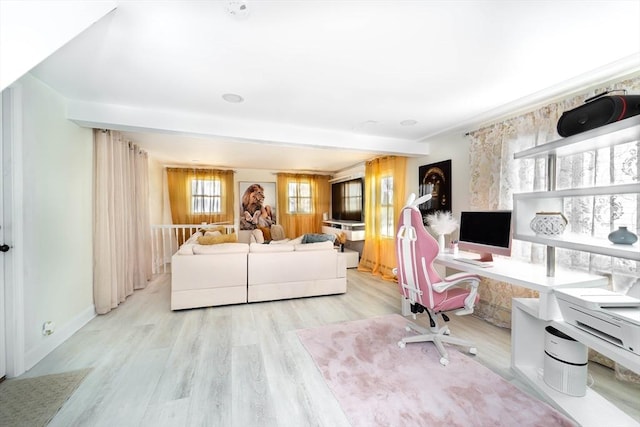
point(530, 317)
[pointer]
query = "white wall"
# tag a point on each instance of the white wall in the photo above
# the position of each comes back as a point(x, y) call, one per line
point(160, 209)
point(445, 147)
point(57, 200)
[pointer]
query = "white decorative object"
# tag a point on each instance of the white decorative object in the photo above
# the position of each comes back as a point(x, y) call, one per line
point(441, 243)
point(549, 223)
point(441, 223)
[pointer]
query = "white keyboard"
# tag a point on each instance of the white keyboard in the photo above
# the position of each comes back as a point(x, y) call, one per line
point(475, 262)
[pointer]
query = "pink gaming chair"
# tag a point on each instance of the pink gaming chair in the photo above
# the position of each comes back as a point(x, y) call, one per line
point(421, 285)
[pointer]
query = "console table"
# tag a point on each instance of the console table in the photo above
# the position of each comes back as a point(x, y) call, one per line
point(352, 229)
point(530, 316)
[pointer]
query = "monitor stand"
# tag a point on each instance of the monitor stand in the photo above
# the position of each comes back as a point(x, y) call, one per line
point(485, 257)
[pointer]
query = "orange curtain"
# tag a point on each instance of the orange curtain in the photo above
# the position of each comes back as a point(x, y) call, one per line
point(297, 224)
point(179, 184)
point(378, 252)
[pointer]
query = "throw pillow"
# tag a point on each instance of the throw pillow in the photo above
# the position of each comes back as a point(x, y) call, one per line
point(212, 233)
point(315, 238)
point(266, 233)
point(219, 228)
point(214, 240)
point(257, 236)
point(277, 232)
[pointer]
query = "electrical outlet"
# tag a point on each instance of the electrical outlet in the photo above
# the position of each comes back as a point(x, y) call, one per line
point(48, 327)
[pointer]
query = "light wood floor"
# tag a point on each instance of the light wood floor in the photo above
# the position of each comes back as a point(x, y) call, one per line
point(238, 365)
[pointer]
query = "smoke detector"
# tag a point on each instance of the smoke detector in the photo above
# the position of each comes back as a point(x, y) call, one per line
point(238, 9)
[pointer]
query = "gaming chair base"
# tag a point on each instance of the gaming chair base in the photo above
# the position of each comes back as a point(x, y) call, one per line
point(438, 336)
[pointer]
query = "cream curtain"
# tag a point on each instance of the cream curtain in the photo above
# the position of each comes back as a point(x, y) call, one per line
point(496, 176)
point(179, 187)
point(121, 236)
point(378, 252)
point(297, 224)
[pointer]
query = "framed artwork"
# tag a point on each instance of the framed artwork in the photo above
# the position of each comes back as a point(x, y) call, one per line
point(435, 179)
point(257, 204)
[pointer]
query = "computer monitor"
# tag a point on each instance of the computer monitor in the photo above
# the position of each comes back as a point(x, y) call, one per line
point(486, 232)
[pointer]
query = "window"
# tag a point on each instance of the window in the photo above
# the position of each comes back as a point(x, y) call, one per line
point(299, 197)
point(352, 197)
point(387, 228)
point(206, 196)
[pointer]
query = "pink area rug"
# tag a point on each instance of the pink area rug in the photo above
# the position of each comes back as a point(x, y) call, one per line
point(379, 384)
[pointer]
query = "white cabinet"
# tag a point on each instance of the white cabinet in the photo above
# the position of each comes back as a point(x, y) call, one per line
point(353, 230)
point(525, 205)
point(527, 360)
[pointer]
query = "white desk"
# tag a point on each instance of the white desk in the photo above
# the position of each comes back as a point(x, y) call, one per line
point(529, 318)
point(529, 276)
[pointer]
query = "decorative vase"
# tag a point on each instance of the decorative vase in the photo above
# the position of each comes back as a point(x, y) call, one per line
point(622, 236)
point(440, 243)
point(548, 223)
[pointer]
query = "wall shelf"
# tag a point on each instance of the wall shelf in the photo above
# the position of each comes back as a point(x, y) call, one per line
point(616, 133)
point(525, 205)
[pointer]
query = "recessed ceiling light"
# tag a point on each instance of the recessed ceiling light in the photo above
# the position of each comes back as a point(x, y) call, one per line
point(232, 97)
point(408, 122)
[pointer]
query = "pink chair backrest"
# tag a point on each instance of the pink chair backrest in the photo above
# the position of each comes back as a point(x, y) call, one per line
point(415, 257)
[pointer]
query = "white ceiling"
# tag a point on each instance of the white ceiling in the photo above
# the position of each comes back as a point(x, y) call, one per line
point(326, 84)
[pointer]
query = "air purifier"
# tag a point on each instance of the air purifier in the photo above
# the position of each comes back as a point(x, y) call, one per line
point(565, 363)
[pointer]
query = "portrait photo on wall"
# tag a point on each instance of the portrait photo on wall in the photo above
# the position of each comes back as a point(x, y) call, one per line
point(257, 205)
point(435, 179)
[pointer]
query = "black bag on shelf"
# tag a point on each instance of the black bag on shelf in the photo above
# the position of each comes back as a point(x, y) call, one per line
point(598, 111)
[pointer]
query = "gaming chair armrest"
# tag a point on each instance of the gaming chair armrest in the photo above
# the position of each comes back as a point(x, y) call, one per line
point(457, 279)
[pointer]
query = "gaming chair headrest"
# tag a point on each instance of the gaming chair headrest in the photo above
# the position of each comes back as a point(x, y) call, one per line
point(412, 202)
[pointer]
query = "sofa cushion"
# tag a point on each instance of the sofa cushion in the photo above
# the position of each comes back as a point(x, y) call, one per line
point(217, 239)
point(321, 237)
point(186, 249)
point(281, 242)
point(257, 247)
point(317, 246)
point(194, 237)
point(222, 248)
point(297, 240)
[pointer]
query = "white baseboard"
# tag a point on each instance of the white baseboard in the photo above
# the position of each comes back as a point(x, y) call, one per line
point(61, 334)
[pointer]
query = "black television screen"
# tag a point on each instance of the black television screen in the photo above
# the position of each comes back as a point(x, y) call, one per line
point(486, 232)
point(347, 200)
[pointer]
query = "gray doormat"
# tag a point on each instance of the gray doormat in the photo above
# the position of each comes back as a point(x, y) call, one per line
point(33, 402)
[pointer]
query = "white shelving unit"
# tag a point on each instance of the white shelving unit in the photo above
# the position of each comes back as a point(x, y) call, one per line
point(525, 205)
point(528, 326)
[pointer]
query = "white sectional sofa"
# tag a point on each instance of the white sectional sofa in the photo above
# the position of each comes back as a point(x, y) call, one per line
point(231, 273)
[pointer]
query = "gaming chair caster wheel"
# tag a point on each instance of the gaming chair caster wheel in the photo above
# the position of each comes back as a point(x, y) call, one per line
point(444, 361)
point(473, 350)
point(401, 344)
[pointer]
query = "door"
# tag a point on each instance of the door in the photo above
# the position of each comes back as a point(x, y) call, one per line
point(3, 342)
point(11, 325)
